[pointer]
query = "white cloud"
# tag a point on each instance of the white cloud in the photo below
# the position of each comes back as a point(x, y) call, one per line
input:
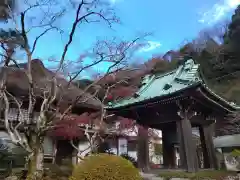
point(114, 1)
point(218, 11)
point(150, 45)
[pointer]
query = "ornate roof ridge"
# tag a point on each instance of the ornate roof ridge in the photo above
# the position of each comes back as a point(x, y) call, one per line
point(159, 75)
point(145, 85)
point(150, 78)
point(187, 75)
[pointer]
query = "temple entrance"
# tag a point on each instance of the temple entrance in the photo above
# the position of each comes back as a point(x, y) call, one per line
point(176, 103)
point(200, 138)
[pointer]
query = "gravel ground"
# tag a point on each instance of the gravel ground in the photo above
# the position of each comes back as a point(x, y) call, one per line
point(153, 177)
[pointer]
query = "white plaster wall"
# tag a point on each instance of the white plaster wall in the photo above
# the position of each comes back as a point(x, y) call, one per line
point(122, 146)
point(133, 154)
point(134, 131)
point(177, 158)
point(48, 146)
point(84, 148)
point(114, 150)
point(4, 135)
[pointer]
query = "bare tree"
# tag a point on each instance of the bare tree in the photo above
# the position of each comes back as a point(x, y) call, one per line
point(230, 125)
point(47, 99)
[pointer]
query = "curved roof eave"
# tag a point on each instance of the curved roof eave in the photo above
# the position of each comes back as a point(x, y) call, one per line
point(218, 100)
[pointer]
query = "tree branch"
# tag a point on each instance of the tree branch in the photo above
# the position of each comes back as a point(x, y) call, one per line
point(76, 22)
point(38, 37)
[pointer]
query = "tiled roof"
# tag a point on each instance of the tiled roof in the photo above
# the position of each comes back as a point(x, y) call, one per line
point(164, 84)
point(160, 85)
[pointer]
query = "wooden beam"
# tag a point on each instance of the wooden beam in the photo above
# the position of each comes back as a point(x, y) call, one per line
point(200, 120)
point(206, 161)
point(154, 118)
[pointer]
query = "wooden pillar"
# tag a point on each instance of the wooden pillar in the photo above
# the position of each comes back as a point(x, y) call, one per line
point(209, 155)
point(206, 160)
point(169, 156)
point(187, 147)
point(200, 157)
point(143, 149)
point(117, 145)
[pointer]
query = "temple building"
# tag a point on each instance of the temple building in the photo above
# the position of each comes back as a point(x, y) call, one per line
point(175, 103)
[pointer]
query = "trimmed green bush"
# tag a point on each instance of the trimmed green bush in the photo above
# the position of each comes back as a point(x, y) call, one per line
point(105, 167)
point(129, 158)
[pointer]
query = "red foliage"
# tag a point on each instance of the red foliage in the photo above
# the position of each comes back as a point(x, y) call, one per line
point(109, 97)
point(143, 131)
point(110, 79)
point(125, 123)
point(68, 127)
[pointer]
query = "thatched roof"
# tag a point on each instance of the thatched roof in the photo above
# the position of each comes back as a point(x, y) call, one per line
point(18, 85)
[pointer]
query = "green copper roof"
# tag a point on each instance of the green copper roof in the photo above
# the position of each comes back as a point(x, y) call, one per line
point(164, 84)
point(159, 85)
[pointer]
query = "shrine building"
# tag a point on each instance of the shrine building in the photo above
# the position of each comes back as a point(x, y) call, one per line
point(176, 102)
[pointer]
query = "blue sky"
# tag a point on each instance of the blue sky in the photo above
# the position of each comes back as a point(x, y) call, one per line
point(171, 21)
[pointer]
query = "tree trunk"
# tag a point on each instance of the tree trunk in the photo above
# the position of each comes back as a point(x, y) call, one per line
point(35, 161)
